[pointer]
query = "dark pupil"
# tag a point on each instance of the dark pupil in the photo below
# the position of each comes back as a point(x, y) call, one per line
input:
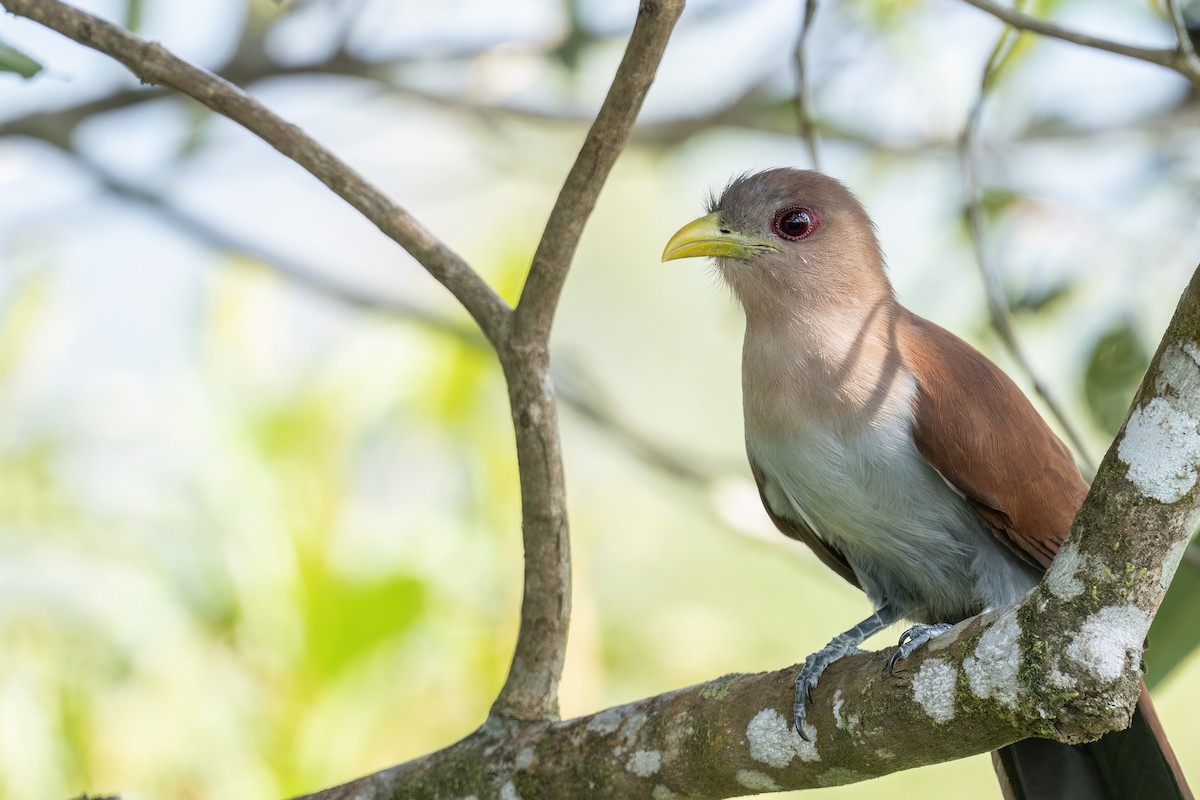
point(796, 223)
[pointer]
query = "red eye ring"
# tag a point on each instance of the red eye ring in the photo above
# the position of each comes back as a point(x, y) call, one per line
point(796, 222)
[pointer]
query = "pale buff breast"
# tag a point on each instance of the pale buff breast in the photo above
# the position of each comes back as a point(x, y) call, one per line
point(835, 448)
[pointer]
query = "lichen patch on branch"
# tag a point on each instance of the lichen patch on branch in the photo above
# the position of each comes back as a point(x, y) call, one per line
point(756, 781)
point(1063, 578)
point(772, 742)
point(644, 763)
point(1110, 640)
point(1171, 561)
point(606, 721)
point(934, 688)
point(1161, 448)
point(1161, 444)
point(838, 701)
point(992, 671)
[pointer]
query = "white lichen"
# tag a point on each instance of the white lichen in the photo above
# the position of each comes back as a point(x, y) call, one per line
point(1110, 640)
point(644, 763)
point(934, 687)
point(1060, 680)
point(992, 670)
point(756, 781)
point(1171, 562)
point(1063, 578)
point(662, 792)
point(605, 722)
point(772, 742)
point(1161, 447)
point(524, 758)
point(509, 792)
point(837, 710)
point(884, 753)
point(769, 738)
point(1179, 377)
point(632, 727)
point(1191, 350)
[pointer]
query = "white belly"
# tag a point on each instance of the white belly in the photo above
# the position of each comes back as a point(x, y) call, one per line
point(912, 540)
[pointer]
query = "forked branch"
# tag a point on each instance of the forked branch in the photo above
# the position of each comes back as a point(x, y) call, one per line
point(531, 690)
point(154, 64)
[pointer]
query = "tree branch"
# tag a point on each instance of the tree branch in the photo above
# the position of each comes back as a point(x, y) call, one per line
point(1172, 58)
point(299, 274)
point(605, 141)
point(997, 304)
point(1183, 41)
point(154, 64)
point(1062, 664)
point(804, 115)
point(530, 691)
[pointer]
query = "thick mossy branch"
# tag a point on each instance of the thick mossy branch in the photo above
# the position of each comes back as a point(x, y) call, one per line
point(1062, 664)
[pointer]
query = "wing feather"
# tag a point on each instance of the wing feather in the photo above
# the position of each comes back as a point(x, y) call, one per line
point(976, 428)
point(799, 530)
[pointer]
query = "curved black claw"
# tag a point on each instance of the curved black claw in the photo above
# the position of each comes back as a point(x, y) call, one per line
point(913, 638)
point(810, 673)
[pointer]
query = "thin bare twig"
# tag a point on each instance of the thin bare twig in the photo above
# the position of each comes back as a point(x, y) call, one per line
point(1172, 58)
point(605, 141)
point(808, 128)
point(574, 384)
point(530, 691)
point(153, 63)
point(1182, 40)
point(998, 311)
point(297, 273)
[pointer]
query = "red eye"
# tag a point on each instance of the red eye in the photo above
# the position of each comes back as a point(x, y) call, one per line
point(796, 222)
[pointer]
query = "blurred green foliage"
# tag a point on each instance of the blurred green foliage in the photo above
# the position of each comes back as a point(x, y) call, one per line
point(13, 60)
point(290, 555)
point(1114, 369)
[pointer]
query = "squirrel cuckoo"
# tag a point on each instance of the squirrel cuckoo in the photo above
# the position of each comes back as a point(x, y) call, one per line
point(909, 463)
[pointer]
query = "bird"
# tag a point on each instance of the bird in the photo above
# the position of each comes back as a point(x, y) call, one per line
point(909, 463)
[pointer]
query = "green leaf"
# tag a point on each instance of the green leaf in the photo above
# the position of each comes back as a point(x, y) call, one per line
point(1175, 635)
point(1115, 367)
point(994, 202)
point(348, 619)
point(1040, 300)
point(13, 60)
point(133, 14)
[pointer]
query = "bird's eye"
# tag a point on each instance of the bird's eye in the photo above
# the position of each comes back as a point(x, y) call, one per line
point(796, 222)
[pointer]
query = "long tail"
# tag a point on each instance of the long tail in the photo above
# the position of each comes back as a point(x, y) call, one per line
point(1133, 764)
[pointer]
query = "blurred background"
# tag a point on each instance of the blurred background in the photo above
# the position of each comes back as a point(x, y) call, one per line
point(259, 523)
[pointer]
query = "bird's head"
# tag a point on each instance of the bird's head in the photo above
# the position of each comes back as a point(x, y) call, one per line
point(788, 237)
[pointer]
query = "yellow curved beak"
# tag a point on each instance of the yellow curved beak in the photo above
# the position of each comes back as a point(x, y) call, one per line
point(706, 237)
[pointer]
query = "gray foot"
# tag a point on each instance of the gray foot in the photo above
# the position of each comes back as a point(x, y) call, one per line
point(913, 638)
point(842, 645)
point(810, 673)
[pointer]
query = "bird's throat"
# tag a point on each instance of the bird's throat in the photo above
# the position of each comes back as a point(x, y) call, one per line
point(837, 367)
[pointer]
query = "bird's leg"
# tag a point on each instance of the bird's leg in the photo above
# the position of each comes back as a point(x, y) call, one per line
point(842, 644)
point(913, 638)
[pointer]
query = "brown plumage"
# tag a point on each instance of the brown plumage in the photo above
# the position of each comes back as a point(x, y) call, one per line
point(1012, 469)
point(909, 463)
